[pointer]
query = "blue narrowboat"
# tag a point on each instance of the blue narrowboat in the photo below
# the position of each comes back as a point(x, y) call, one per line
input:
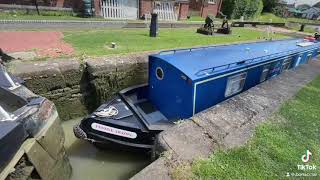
point(184, 82)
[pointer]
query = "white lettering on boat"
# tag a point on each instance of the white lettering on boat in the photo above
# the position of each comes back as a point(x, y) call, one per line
point(114, 131)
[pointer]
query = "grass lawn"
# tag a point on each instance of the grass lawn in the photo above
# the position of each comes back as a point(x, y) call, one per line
point(277, 146)
point(268, 16)
point(97, 42)
point(196, 18)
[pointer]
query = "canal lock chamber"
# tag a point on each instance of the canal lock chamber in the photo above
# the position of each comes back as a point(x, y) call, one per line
point(77, 88)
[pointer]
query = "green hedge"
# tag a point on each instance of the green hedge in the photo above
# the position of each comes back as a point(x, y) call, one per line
point(248, 8)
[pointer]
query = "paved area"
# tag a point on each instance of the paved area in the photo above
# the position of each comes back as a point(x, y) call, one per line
point(229, 124)
point(71, 24)
point(44, 44)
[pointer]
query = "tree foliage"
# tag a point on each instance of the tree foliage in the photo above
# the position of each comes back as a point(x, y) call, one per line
point(269, 5)
point(237, 8)
point(227, 8)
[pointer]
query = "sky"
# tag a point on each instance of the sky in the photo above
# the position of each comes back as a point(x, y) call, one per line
point(310, 2)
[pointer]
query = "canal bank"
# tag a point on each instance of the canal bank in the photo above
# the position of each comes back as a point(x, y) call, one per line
point(83, 84)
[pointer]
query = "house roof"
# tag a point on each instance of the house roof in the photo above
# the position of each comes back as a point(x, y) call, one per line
point(312, 10)
point(191, 62)
point(294, 10)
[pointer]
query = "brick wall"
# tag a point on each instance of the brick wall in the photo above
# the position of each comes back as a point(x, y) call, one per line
point(210, 9)
point(183, 11)
point(195, 5)
point(205, 9)
point(145, 7)
point(97, 7)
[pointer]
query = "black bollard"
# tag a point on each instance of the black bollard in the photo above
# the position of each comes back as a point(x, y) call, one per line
point(302, 28)
point(154, 25)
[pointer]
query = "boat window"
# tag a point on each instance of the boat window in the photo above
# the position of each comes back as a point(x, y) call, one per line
point(235, 84)
point(265, 72)
point(159, 73)
point(286, 64)
point(309, 57)
point(298, 60)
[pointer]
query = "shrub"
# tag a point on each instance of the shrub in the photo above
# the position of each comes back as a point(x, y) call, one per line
point(247, 8)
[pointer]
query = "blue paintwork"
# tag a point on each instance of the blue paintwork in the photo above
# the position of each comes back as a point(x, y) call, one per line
point(192, 84)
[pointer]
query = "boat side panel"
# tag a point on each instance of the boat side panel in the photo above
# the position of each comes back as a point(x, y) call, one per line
point(212, 92)
point(173, 94)
point(305, 57)
point(315, 53)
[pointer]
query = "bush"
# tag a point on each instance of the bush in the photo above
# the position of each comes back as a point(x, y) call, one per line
point(227, 8)
point(278, 11)
point(269, 5)
point(247, 8)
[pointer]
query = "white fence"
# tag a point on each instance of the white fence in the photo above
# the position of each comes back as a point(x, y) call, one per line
point(119, 9)
point(165, 10)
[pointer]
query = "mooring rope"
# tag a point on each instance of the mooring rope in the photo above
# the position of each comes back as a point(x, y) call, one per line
point(108, 112)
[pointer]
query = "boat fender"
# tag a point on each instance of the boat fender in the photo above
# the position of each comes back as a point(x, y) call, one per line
point(78, 132)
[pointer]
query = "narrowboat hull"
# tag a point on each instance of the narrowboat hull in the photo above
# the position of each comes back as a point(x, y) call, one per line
point(179, 87)
point(121, 122)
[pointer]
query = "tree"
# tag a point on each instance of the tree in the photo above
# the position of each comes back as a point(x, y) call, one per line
point(36, 4)
point(255, 8)
point(269, 5)
point(237, 8)
point(240, 8)
point(247, 8)
point(227, 8)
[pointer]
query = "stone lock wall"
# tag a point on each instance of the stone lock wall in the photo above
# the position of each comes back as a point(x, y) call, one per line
point(109, 75)
point(78, 88)
point(59, 81)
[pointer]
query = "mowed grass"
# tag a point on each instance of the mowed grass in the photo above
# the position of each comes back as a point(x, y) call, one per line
point(277, 146)
point(97, 42)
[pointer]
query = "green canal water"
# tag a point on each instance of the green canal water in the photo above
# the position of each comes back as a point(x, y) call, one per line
point(90, 163)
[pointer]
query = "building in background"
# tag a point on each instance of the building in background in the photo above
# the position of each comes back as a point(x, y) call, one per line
point(311, 13)
point(204, 8)
point(168, 10)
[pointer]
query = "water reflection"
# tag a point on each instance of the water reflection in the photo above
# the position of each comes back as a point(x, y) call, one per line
point(88, 162)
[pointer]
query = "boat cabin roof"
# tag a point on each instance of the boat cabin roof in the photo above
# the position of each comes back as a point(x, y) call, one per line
point(197, 63)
